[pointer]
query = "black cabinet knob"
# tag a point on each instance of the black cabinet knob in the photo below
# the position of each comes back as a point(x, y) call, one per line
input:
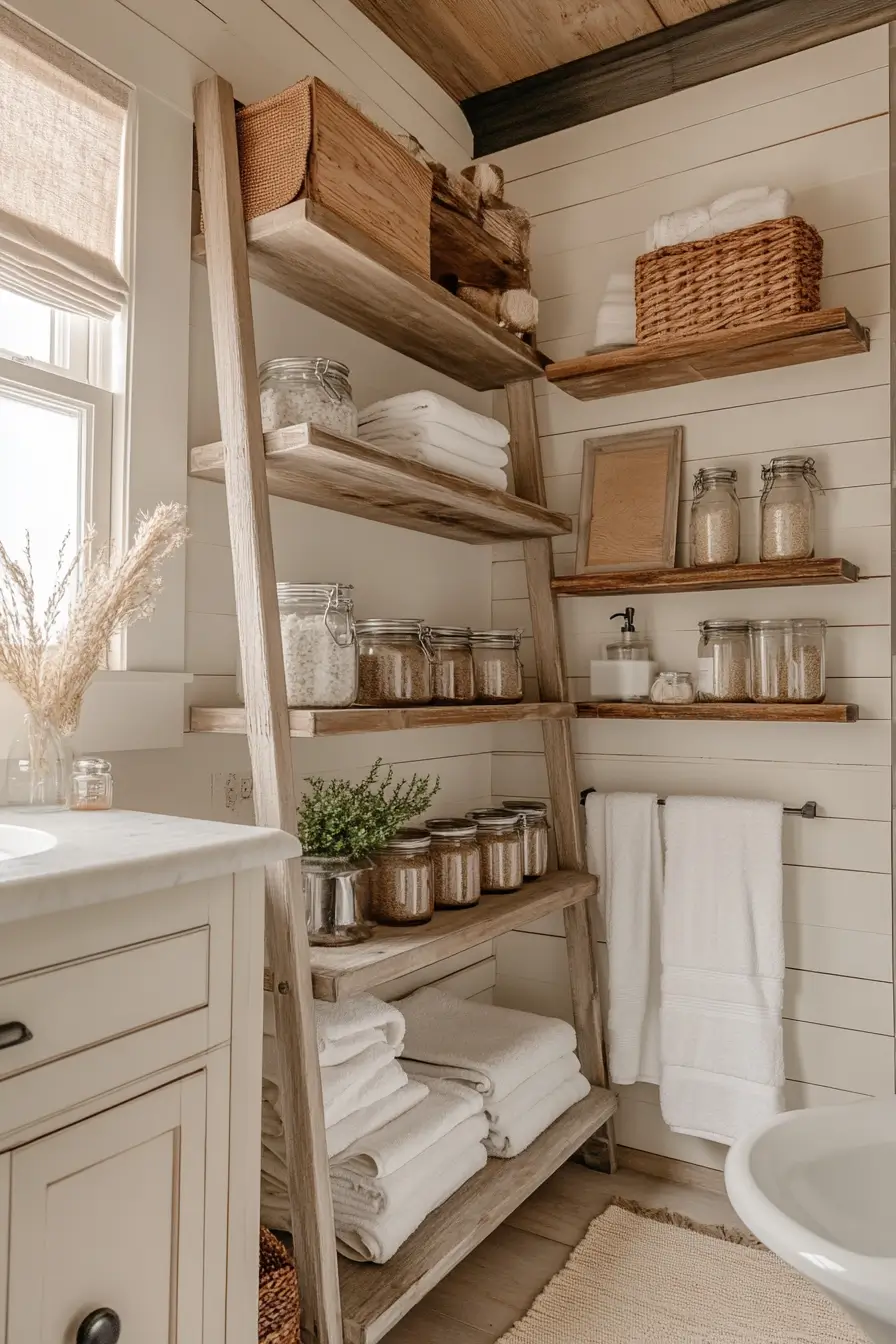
point(100, 1327)
point(13, 1033)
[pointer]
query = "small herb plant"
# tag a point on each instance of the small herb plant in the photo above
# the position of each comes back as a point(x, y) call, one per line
point(342, 820)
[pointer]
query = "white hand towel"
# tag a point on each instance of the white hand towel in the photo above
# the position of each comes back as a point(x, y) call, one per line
point(634, 903)
point(369, 1195)
point(424, 407)
point(491, 1049)
point(748, 196)
point(518, 1130)
point(596, 850)
point(778, 205)
point(518, 1116)
point(372, 1117)
point(346, 1087)
point(723, 967)
point(395, 1144)
point(395, 432)
point(465, 467)
point(345, 1029)
point(682, 226)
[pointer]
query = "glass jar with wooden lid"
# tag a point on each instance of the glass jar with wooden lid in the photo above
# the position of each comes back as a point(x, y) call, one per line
point(455, 862)
point(499, 835)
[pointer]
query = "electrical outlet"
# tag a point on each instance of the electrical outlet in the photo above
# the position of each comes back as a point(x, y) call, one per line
point(232, 797)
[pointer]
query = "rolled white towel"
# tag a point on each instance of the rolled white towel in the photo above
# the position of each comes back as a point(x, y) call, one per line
point(743, 196)
point(395, 1144)
point(682, 226)
point(428, 407)
point(347, 1028)
point(777, 205)
point(393, 433)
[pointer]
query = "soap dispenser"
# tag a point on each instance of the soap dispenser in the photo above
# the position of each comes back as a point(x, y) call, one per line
point(630, 647)
point(627, 670)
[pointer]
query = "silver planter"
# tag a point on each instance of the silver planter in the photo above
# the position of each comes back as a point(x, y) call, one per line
point(337, 900)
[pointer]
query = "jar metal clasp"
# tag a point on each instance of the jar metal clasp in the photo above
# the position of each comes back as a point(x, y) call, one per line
point(330, 613)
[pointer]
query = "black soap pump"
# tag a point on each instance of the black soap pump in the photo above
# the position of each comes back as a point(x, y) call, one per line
point(631, 648)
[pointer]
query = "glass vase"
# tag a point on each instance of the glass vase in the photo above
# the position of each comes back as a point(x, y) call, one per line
point(337, 900)
point(38, 765)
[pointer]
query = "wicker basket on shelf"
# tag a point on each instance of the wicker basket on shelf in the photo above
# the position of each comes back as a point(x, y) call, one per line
point(278, 1294)
point(740, 279)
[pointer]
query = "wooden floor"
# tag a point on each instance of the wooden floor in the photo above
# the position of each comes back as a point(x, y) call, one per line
point(481, 1299)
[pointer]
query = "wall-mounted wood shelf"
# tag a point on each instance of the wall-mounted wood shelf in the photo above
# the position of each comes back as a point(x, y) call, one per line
point(312, 466)
point(310, 254)
point(773, 574)
point(333, 722)
point(375, 1297)
point(642, 368)
point(751, 713)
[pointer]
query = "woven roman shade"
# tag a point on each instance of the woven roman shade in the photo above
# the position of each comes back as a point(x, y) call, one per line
point(63, 125)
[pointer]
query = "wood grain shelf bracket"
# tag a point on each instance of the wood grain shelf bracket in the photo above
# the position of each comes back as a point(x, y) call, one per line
point(803, 339)
point(746, 713)
point(358, 719)
point(720, 578)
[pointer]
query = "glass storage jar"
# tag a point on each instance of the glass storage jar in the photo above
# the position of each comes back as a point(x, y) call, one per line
point(91, 785)
point(401, 883)
point(320, 654)
point(394, 663)
point(787, 508)
point(723, 661)
point(788, 660)
point(497, 667)
point(673, 688)
point(296, 391)
point(499, 835)
point(534, 817)
point(455, 862)
point(715, 518)
point(452, 665)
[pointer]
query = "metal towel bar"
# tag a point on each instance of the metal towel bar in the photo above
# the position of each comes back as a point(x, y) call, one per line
point(808, 810)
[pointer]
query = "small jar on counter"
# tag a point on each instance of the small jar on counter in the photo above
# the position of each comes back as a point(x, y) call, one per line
point(673, 688)
point(715, 518)
point(788, 660)
point(401, 883)
point(534, 817)
point(452, 665)
point(787, 508)
point(723, 661)
point(297, 391)
point(90, 788)
point(499, 836)
point(455, 862)
point(395, 663)
point(497, 666)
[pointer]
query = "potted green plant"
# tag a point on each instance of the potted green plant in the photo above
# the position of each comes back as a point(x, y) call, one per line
point(340, 825)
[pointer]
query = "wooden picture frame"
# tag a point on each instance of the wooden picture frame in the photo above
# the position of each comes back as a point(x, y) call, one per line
point(628, 506)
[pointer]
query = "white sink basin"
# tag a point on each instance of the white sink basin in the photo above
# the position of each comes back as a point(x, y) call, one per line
point(819, 1188)
point(18, 841)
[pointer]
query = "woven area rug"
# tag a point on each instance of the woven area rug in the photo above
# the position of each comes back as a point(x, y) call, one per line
point(648, 1276)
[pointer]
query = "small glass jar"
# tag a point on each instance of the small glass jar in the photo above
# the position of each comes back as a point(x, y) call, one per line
point(534, 817)
point(91, 785)
point(395, 663)
point(455, 862)
point(723, 661)
point(297, 391)
point(452, 665)
point(788, 660)
point(499, 836)
point(787, 508)
point(497, 666)
point(401, 883)
point(673, 688)
point(320, 653)
point(715, 518)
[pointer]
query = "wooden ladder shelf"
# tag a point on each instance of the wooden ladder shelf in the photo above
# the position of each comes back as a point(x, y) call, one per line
point(311, 256)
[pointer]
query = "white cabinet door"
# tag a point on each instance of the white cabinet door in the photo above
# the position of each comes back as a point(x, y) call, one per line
point(110, 1213)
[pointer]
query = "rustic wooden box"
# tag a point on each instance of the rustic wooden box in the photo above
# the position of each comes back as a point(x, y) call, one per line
point(309, 142)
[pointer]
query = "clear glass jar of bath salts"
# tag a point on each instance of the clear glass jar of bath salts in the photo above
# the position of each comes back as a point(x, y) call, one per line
point(455, 862)
point(499, 835)
point(723, 661)
point(715, 518)
point(90, 786)
point(452, 665)
point(533, 816)
point(296, 391)
point(787, 508)
point(788, 660)
point(320, 655)
point(497, 666)
point(395, 663)
point(401, 884)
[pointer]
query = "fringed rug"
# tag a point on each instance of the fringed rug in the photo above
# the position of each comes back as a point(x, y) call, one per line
point(650, 1276)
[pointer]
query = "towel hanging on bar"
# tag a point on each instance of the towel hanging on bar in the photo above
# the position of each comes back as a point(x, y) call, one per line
point(809, 811)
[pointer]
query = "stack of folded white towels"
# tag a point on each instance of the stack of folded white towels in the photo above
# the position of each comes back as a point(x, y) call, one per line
point(522, 1066)
point(428, 428)
point(735, 210)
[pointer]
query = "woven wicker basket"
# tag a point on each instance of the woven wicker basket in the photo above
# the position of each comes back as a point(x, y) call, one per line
point(278, 1294)
point(740, 279)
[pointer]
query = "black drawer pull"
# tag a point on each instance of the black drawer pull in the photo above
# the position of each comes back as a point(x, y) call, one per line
point(13, 1033)
point(100, 1327)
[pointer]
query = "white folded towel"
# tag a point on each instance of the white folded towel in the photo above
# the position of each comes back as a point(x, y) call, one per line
point(426, 452)
point(395, 1144)
point(394, 432)
point(491, 1049)
point(749, 196)
point(346, 1087)
point(682, 226)
point(723, 967)
point(527, 1111)
point(735, 210)
point(347, 1028)
point(634, 905)
point(424, 407)
point(776, 205)
point(372, 1117)
point(368, 1195)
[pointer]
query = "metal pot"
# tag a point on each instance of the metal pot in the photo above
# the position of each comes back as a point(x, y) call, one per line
point(337, 900)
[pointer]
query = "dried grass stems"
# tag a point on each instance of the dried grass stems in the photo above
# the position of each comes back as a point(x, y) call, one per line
point(49, 668)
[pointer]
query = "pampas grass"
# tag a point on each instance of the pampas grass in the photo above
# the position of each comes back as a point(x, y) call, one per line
point(51, 668)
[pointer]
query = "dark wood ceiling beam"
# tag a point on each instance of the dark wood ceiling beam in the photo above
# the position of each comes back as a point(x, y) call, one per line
point(737, 37)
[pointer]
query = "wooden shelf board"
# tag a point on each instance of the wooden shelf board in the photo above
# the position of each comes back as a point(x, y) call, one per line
point(310, 254)
point(313, 466)
point(773, 574)
point(748, 713)
point(375, 1297)
point(340, 972)
point(332, 722)
point(641, 368)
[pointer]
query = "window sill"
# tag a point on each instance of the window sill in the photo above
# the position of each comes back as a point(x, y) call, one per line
point(123, 711)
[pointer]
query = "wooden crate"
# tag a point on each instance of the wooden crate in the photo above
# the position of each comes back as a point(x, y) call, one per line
point(309, 142)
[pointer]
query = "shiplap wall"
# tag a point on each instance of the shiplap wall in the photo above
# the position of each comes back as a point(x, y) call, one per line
point(817, 123)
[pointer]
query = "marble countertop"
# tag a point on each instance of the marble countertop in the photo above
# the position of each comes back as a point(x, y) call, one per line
point(94, 857)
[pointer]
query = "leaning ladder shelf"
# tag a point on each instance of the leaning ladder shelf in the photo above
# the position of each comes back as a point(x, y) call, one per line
point(309, 254)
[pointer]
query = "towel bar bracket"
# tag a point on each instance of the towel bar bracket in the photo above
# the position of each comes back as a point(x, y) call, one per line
point(809, 811)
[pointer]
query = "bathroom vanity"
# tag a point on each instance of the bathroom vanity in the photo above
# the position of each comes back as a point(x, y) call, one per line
point(131, 970)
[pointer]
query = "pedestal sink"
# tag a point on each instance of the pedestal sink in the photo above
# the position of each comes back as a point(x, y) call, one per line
point(18, 841)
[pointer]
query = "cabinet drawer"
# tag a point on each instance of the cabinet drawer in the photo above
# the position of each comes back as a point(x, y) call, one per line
point(79, 1004)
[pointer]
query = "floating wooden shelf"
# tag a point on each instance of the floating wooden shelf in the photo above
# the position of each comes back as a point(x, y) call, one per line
point(310, 254)
point(340, 972)
point(641, 368)
point(313, 466)
point(375, 1297)
point(330, 722)
point(773, 574)
point(777, 713)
